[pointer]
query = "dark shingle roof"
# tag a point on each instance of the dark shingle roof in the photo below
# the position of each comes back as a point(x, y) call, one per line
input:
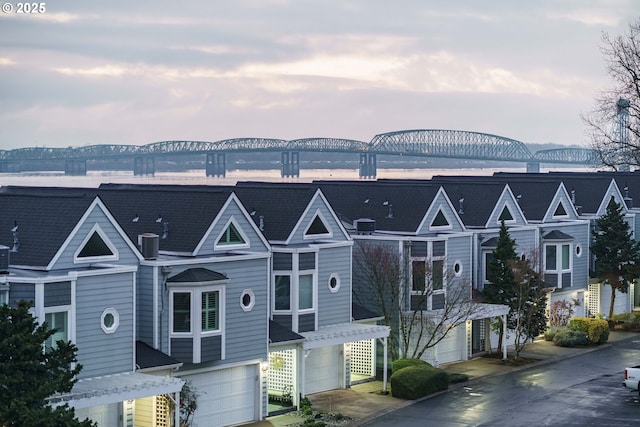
point(279, 206)
point(480, 197)
point(149, 357)
point(43, 219)
point(180, 215)
point(358, 312)
point(557, 235)
point(394, 205)
point(197, 275)
point(280, 334)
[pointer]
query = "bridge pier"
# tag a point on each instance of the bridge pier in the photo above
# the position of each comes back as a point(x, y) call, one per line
point(216, 164)
point(290, 164)
point(368, 168)
point(8, 166)
point(144, 165)
point(533, 167)
point(75, 167)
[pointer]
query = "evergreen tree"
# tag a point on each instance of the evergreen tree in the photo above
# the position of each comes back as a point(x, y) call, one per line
point(615, 251)
point(30, 372)
point(500, 290)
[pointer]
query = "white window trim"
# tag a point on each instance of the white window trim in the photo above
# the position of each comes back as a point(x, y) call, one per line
point(566, 215)
point(559, 270)
point(431, 258)
point(116, 320)
point(513, 219)
point(314, 287)
point(227, 246)
point(252, 304)
point(485, 266)
point(441, 227)
point(96, 229)
point(60, 309)
point(291, 296)
point(338, 284)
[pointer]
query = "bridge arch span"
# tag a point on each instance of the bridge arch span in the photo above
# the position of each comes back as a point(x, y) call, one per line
point(450, 143)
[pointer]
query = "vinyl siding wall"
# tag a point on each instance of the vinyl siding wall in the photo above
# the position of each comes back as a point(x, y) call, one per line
point(334, 307)
point(98, 352)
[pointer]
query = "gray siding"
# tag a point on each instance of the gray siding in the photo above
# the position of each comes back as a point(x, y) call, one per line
point(246, 225)
point(317, 206)
point(211, 348)
point(144, 305)
point(306, 322)
point(126, 254)
point(245, 332)
point(21, 291)
point(182, 349)
point(334, 307)
point(98, 352)
point(57, 294)
point(284, 320)
point(362, 292)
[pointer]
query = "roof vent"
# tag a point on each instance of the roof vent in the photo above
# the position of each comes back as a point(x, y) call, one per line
point(4, 259)
point(149, 245)
point(364, 226)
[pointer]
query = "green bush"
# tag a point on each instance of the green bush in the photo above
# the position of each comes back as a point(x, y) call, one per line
point(414, 382)
point(570, 338)
point(551, 332)
point(458, 378)
point(626, 321)
point(597, 330)
point(396, 365)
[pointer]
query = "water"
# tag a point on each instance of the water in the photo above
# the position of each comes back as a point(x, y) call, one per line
point(197, 177)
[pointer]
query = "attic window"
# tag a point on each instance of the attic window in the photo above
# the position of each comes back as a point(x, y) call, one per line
point(505, 215)
point(440, 220)
point(231, 236)
point(317, 227)
point(95, 247)
point(560, 210)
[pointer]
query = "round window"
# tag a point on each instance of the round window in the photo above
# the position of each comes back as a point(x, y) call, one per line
point(457, 268)
point(334, 283)
point(578, 250)
point(247, 300)
point(110, 320)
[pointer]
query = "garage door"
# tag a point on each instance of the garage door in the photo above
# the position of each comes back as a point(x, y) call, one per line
point(323, 369)
point(105, 415)
point(226, 397)
point(451, 348)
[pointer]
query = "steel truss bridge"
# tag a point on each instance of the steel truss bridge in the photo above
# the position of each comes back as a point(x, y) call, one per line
point(435, 143)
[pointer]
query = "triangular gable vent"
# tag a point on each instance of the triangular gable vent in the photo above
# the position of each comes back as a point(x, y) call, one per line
point(317, 227)
point(95, 247)
point(505, 215)
point(231, 236)
point(560, 210)
point(440, 220)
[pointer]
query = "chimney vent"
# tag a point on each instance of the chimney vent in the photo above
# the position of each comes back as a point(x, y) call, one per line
point(364, 226)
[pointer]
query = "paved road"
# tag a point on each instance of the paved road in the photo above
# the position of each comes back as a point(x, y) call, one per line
point(585, 390)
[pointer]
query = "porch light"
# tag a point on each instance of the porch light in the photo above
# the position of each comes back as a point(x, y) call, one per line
point(264, 366)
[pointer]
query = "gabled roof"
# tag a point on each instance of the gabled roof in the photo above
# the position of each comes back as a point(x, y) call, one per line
point(180, 215)
point(586, 190)
point(275, 208)
point(474, 198)
point(398, 206)
point(39, 220)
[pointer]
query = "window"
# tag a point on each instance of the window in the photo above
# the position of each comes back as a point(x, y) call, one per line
point(247, 300)
point(488, 262)
point(182, 312)
point(305, 292)
point(58, 322)
point(505, 215)
point(110, 320)
point(283, 293)
point(418, 272)
point(334, 283)
point(317, 228)
point(186, 319)
point(440, 220)
point(558, 264)
point(437, 275)
point(210, 311)
point(95, 247)
point(560, 211)
point(231, 236)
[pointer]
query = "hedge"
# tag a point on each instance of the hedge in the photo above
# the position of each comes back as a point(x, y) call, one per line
point(597, 330)
point(396, 365)
point(413, 382)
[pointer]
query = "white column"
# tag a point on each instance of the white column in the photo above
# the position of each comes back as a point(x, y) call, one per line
point(504, 336)
point(384, 364)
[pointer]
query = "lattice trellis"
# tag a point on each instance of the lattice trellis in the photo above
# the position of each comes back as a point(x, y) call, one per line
point(593, 303)
point(163, 412)
point(362, 357)
point(281, 370)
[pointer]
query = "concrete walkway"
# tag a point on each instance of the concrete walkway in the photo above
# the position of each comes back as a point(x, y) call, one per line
point(364, 402)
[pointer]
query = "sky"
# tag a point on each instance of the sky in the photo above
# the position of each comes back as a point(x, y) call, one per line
point(88, 72)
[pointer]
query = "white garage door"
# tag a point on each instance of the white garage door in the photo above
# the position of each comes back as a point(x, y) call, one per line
point(323, 369)
point(451, 348)
point(105, 415)
point(225, 397)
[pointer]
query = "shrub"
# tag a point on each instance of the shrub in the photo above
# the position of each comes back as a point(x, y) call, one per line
point(414, 382)
point(458, 378)
point(396, 365)
point(597, 330)
point(551, 332)
point(570, 338)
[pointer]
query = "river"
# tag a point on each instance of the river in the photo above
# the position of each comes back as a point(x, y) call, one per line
point(198, 177)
